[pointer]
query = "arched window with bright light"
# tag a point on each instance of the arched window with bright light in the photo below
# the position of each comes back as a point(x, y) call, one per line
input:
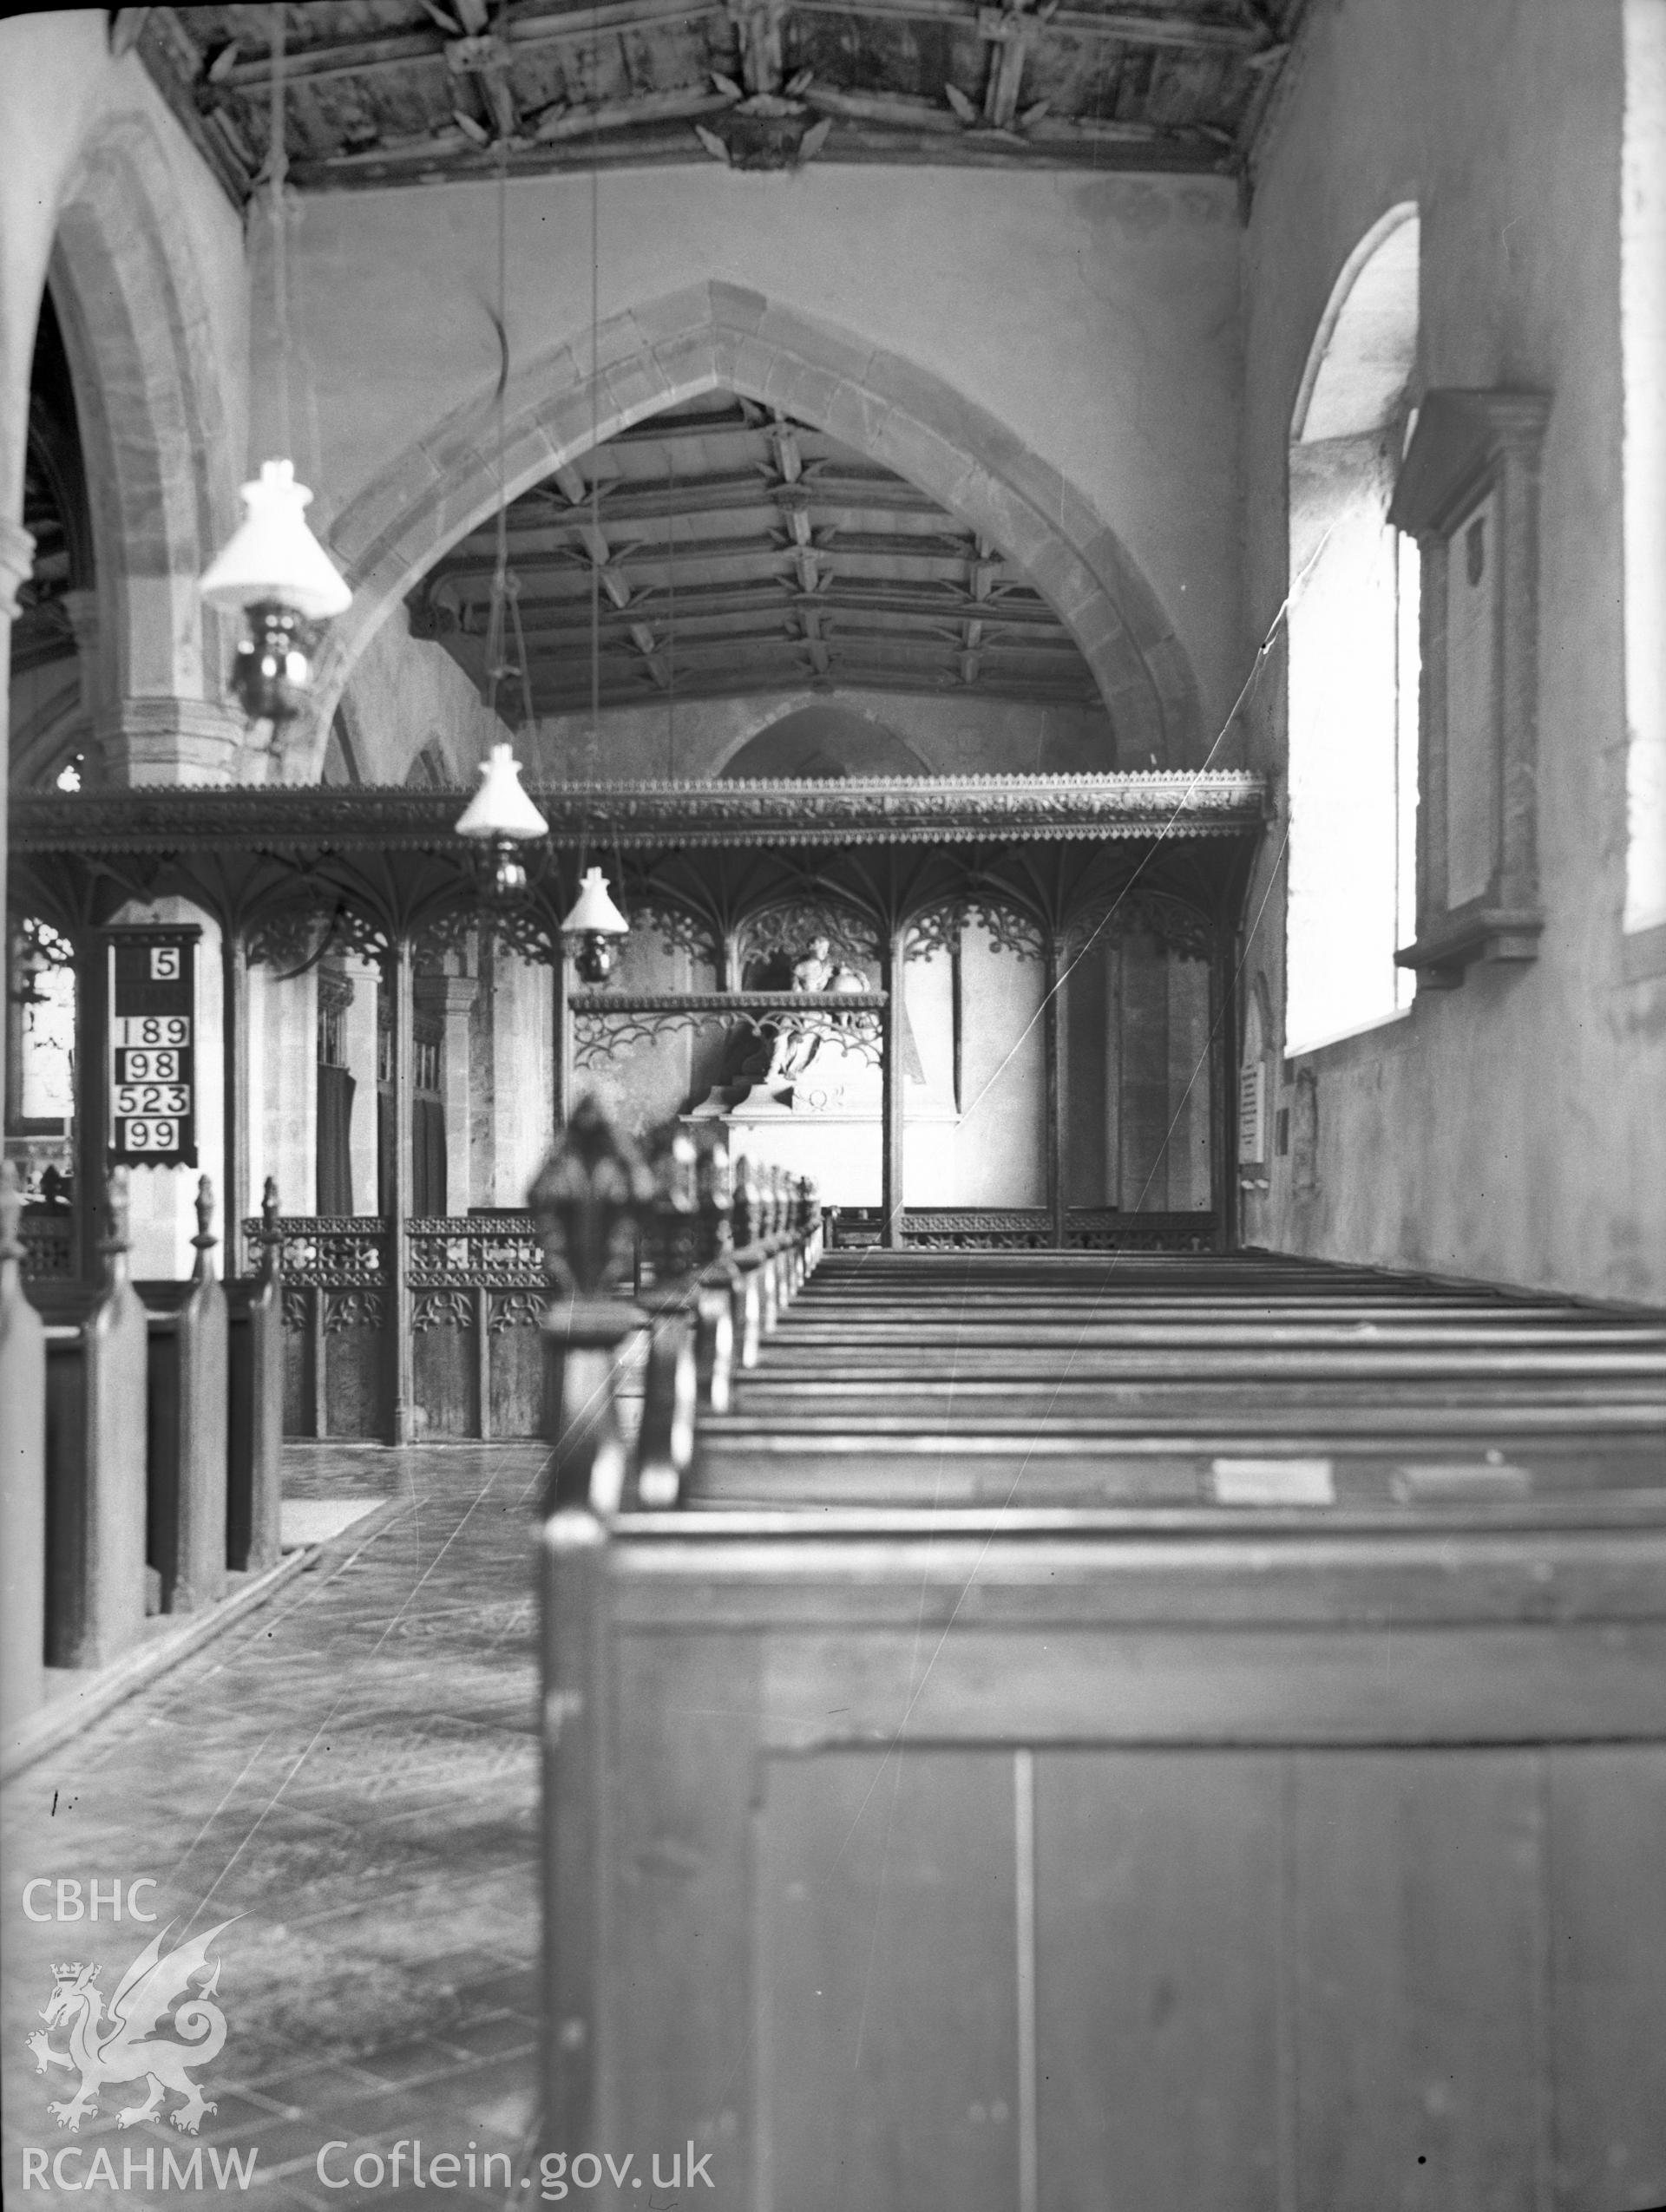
point(1353, 653)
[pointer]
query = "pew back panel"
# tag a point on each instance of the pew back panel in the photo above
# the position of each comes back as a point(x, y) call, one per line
point(186, 1439)
point(96, 1382)
point(254, 1422)
point(23, 1471)
point(1051, 1863)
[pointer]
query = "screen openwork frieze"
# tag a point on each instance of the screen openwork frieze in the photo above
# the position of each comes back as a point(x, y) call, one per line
point(735, 875)
point(786, 932)
point(453, 1250)
point(607, 1024)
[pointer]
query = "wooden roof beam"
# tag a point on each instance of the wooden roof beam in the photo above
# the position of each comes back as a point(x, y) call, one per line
point(324, 59)
point(568, 616)
point(876, 649)
point(851, 676)
point(546, 587)
point(709, 552)
point(903, 112)
point(1166, 27)
point(627, 499)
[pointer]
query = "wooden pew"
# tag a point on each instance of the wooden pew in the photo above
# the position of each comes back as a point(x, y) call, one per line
point(23, 1471)
point(1220, 1855)
point(96, 1368)
point(255, 1402)
point(905, 1860)
point(1060, 1856)
point(711, 1255)
point(187, 1427)
point(1086, 1381)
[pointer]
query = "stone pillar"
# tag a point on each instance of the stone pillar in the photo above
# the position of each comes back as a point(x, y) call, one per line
point(168, 741)
point(51, 75)
point(81, 609)
point(284, 1085)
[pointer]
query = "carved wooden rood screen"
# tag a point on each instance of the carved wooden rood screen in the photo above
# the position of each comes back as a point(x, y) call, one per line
point(400, 1324)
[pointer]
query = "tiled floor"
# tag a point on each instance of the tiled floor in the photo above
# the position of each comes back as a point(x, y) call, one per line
point(349, 1777)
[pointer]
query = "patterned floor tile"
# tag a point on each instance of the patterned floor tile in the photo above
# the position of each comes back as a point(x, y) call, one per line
point(348, 1778)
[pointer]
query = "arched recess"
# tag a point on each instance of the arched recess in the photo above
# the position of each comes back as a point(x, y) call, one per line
point(1365, 348)
point(138, 335)
point(822, 741)
point(1353, 651)
point(719, 337)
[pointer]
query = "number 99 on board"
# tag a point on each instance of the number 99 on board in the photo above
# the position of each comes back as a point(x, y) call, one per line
point(158, 1134)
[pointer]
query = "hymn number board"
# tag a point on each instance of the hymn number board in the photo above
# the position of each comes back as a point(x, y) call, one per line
point(153, 1048)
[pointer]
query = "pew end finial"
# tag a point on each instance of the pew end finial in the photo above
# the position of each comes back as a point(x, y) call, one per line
point(591, 1195)
point(594, 1190)
point(269, 1237)
point(205, 1241)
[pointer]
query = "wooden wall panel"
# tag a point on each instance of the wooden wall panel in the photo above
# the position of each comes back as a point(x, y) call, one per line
point(355, 1383)
point(1606, 1939)
point(1158, 1877)
point(298, 1382)
point(1418, 1981)
point(1333, 1904)
point(517, 1382)
point(887, 2012)
point(443, 1363)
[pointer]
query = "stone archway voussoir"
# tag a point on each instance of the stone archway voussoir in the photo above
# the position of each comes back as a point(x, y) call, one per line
point(719, 334)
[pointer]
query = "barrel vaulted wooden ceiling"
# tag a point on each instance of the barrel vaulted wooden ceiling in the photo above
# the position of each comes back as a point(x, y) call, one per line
point(417, 91)
point(721, 549)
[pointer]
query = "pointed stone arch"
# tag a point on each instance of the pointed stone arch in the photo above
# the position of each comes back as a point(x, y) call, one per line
point(718, 336)
point(138, 333)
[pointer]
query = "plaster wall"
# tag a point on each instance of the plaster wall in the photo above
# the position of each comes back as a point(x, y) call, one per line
point(284, 1091)
point(1095, 318)
point(407, 694)
point(1511, 1128)
point(512, 1114)
point(952, 737)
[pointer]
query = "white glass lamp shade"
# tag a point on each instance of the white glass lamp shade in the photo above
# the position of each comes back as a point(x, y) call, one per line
point(272, 557)
point(593, 911)
point(500, 808)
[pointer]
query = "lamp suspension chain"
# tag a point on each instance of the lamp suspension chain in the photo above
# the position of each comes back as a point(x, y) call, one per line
point(273, 571)
point(277, 182)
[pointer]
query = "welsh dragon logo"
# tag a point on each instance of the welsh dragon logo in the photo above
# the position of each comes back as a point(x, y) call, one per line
point(123, 2046)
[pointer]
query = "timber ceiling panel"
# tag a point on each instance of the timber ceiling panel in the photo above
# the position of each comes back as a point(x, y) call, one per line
point(389, 91)
point(720, 549)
